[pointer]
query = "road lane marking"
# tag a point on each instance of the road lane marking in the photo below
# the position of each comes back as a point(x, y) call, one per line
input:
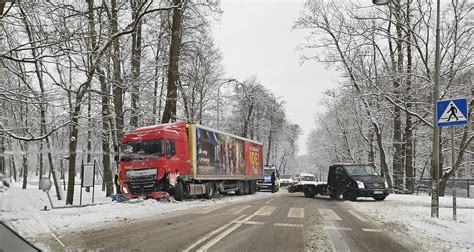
point(358, 216)
point(267, 211)
point(223, 234)
point(337, 240)
point(213, 233)
point(205, 210)
point(337, 228)
point(237, 210)
point(296, 212)
point(268, 201)
point(57, 239)
point(251, 222)
point(372, 230)
point(329, 214)
point(287, 225)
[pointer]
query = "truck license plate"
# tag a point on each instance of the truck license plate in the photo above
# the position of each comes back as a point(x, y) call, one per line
point(378, 192)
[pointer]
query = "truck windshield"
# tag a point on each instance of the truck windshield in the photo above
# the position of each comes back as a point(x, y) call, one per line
point(142, 150)
point(307, 178)
point(361, 170)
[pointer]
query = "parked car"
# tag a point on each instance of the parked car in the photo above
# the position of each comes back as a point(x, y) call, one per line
point(286, 179)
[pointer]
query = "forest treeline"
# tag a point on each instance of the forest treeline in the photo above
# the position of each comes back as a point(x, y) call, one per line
point(382, 111)
point(76, 75)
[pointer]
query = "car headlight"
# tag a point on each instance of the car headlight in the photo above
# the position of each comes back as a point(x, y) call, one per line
point(360, 184)
point(386, 184)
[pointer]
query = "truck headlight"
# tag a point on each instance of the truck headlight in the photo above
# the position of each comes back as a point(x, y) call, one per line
point(386, 184)
point(360, 184)
point(125, 189)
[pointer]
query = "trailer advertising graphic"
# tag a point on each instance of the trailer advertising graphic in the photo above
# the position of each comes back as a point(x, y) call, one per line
point(221, 154)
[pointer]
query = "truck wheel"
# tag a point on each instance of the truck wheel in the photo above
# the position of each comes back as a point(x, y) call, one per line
point(240, 188)
point(379, 198)
point(178, 191)
point(348, 195)
point(334, 195)
point(209, 191)
point(309, 192)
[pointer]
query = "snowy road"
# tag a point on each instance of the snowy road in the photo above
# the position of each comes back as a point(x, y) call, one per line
point(285, 222)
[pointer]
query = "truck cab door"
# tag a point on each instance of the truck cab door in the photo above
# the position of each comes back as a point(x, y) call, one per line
point(340, 179)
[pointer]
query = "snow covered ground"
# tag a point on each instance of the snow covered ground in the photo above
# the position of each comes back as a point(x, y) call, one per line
point(411, 214)
point(23, 210)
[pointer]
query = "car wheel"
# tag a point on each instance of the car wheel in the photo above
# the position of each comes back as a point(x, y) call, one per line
point(379, 198)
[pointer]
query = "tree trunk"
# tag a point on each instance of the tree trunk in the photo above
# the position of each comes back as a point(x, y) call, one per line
point(72, 152)
point(105, 109)
point(117, 78)
point(409, 170)
point(158, 62)
point(173, 67)
point(89, 134)
point(2, 152)
point(398, 173)
point(25, 164)
point(136, 62)
point(269, 146)
point(371, 156)
point(13, 168)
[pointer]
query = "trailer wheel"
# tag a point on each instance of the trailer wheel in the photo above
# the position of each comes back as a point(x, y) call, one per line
point(246, 187)
point(178, 191)
point(240, 188)
point(253, 187)
point(209, 191)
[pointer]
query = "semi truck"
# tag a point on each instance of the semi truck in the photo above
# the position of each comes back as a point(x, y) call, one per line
point(349, 180)
point(186, 159)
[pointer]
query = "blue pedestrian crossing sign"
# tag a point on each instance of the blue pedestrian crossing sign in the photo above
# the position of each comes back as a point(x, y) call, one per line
point(452, 112)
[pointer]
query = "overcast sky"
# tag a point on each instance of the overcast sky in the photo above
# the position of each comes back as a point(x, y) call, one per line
point(256, 38)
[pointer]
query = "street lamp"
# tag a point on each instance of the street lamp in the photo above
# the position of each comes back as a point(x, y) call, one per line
point(218, 98)
point(435, 161)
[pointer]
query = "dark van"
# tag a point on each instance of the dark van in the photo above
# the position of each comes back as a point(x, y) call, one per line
point(356, 180)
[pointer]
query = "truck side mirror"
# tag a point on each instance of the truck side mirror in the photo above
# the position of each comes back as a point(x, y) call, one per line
point(116, 158)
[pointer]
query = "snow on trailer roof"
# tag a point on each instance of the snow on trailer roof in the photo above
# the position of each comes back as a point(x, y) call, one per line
point(225, 133)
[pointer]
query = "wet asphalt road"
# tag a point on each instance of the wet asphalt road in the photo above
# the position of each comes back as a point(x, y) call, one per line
point(281, 222)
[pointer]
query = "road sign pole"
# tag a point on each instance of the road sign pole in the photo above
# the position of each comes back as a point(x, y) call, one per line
point(453, 159)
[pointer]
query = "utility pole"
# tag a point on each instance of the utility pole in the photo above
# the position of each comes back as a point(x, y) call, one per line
point(435, 160)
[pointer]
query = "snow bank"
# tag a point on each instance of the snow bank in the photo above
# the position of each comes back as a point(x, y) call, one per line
point(412, 214)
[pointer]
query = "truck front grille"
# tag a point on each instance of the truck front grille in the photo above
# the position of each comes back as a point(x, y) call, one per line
point(141, 182)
